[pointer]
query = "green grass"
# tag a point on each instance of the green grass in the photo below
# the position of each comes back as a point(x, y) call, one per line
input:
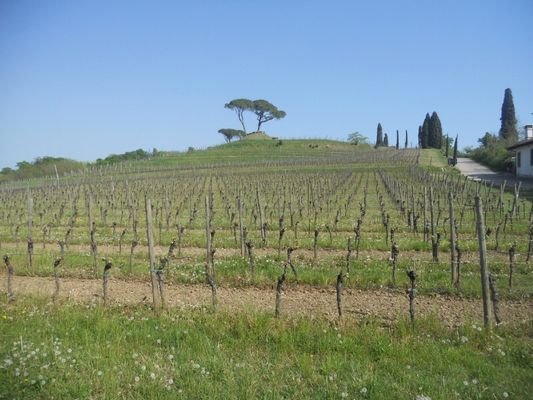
point(433, 158)
point(255, 149)
point(89, 352)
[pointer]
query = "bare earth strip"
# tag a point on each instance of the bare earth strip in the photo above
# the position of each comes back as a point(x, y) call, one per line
point(297, 300)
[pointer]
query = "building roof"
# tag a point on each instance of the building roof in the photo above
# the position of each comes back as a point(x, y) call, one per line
point(520, 144)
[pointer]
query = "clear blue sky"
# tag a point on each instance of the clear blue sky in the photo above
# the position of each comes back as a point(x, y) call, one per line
point(83, 79)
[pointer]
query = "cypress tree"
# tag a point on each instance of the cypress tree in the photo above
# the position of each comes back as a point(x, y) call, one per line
point(406, 138)
point(420, 136)
point(386, 141)
point(435, 131)
point(508, 129)
point(447, 146)
point(425, 132)
point(397, 139)
point(455, 151)
point(379, 136)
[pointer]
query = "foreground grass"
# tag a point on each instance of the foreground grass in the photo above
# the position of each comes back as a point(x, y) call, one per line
point(77, 351)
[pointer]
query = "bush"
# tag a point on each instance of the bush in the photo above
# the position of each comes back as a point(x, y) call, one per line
point(492, 153)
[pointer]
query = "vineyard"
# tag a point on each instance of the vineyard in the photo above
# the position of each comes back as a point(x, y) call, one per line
point(352, 238)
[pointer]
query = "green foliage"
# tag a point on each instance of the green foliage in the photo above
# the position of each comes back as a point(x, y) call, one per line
point(455, 149)
point(265, 112)
point(138, 154)
point(492, 152)
point(386, 141)
point(40, 167)
point(240, 106)
point(357, 138)
point(230, 134)
point(508, 131)
point(435, 131)
point(379, 136)
point(424, 132)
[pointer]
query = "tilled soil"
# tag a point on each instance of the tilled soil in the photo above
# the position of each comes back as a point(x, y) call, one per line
point(297, 300)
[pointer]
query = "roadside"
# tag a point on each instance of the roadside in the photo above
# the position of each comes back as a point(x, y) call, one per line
point(478, 172)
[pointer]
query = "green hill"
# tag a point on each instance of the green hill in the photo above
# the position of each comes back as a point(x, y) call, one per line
point(257, 149)
point(252, 149)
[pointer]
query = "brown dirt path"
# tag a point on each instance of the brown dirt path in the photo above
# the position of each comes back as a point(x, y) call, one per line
point(298, 300)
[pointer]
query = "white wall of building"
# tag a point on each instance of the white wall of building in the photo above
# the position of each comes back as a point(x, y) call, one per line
point(525, 166)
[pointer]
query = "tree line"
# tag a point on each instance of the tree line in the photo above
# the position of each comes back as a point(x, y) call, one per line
point(492, 150)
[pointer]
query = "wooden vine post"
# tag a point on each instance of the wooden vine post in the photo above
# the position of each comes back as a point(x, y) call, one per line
point(151, 254)
point(483, 263)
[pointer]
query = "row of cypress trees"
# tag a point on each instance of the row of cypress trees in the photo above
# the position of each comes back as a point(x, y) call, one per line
point(430, 132)
point(382, 140)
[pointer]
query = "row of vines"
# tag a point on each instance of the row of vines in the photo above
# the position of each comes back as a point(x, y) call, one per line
point(343, 221)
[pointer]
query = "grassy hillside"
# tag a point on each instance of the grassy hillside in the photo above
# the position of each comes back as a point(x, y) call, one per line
point(433, 158)
point(252, 150)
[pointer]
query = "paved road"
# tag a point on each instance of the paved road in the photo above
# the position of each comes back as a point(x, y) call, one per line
point(479, 172)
